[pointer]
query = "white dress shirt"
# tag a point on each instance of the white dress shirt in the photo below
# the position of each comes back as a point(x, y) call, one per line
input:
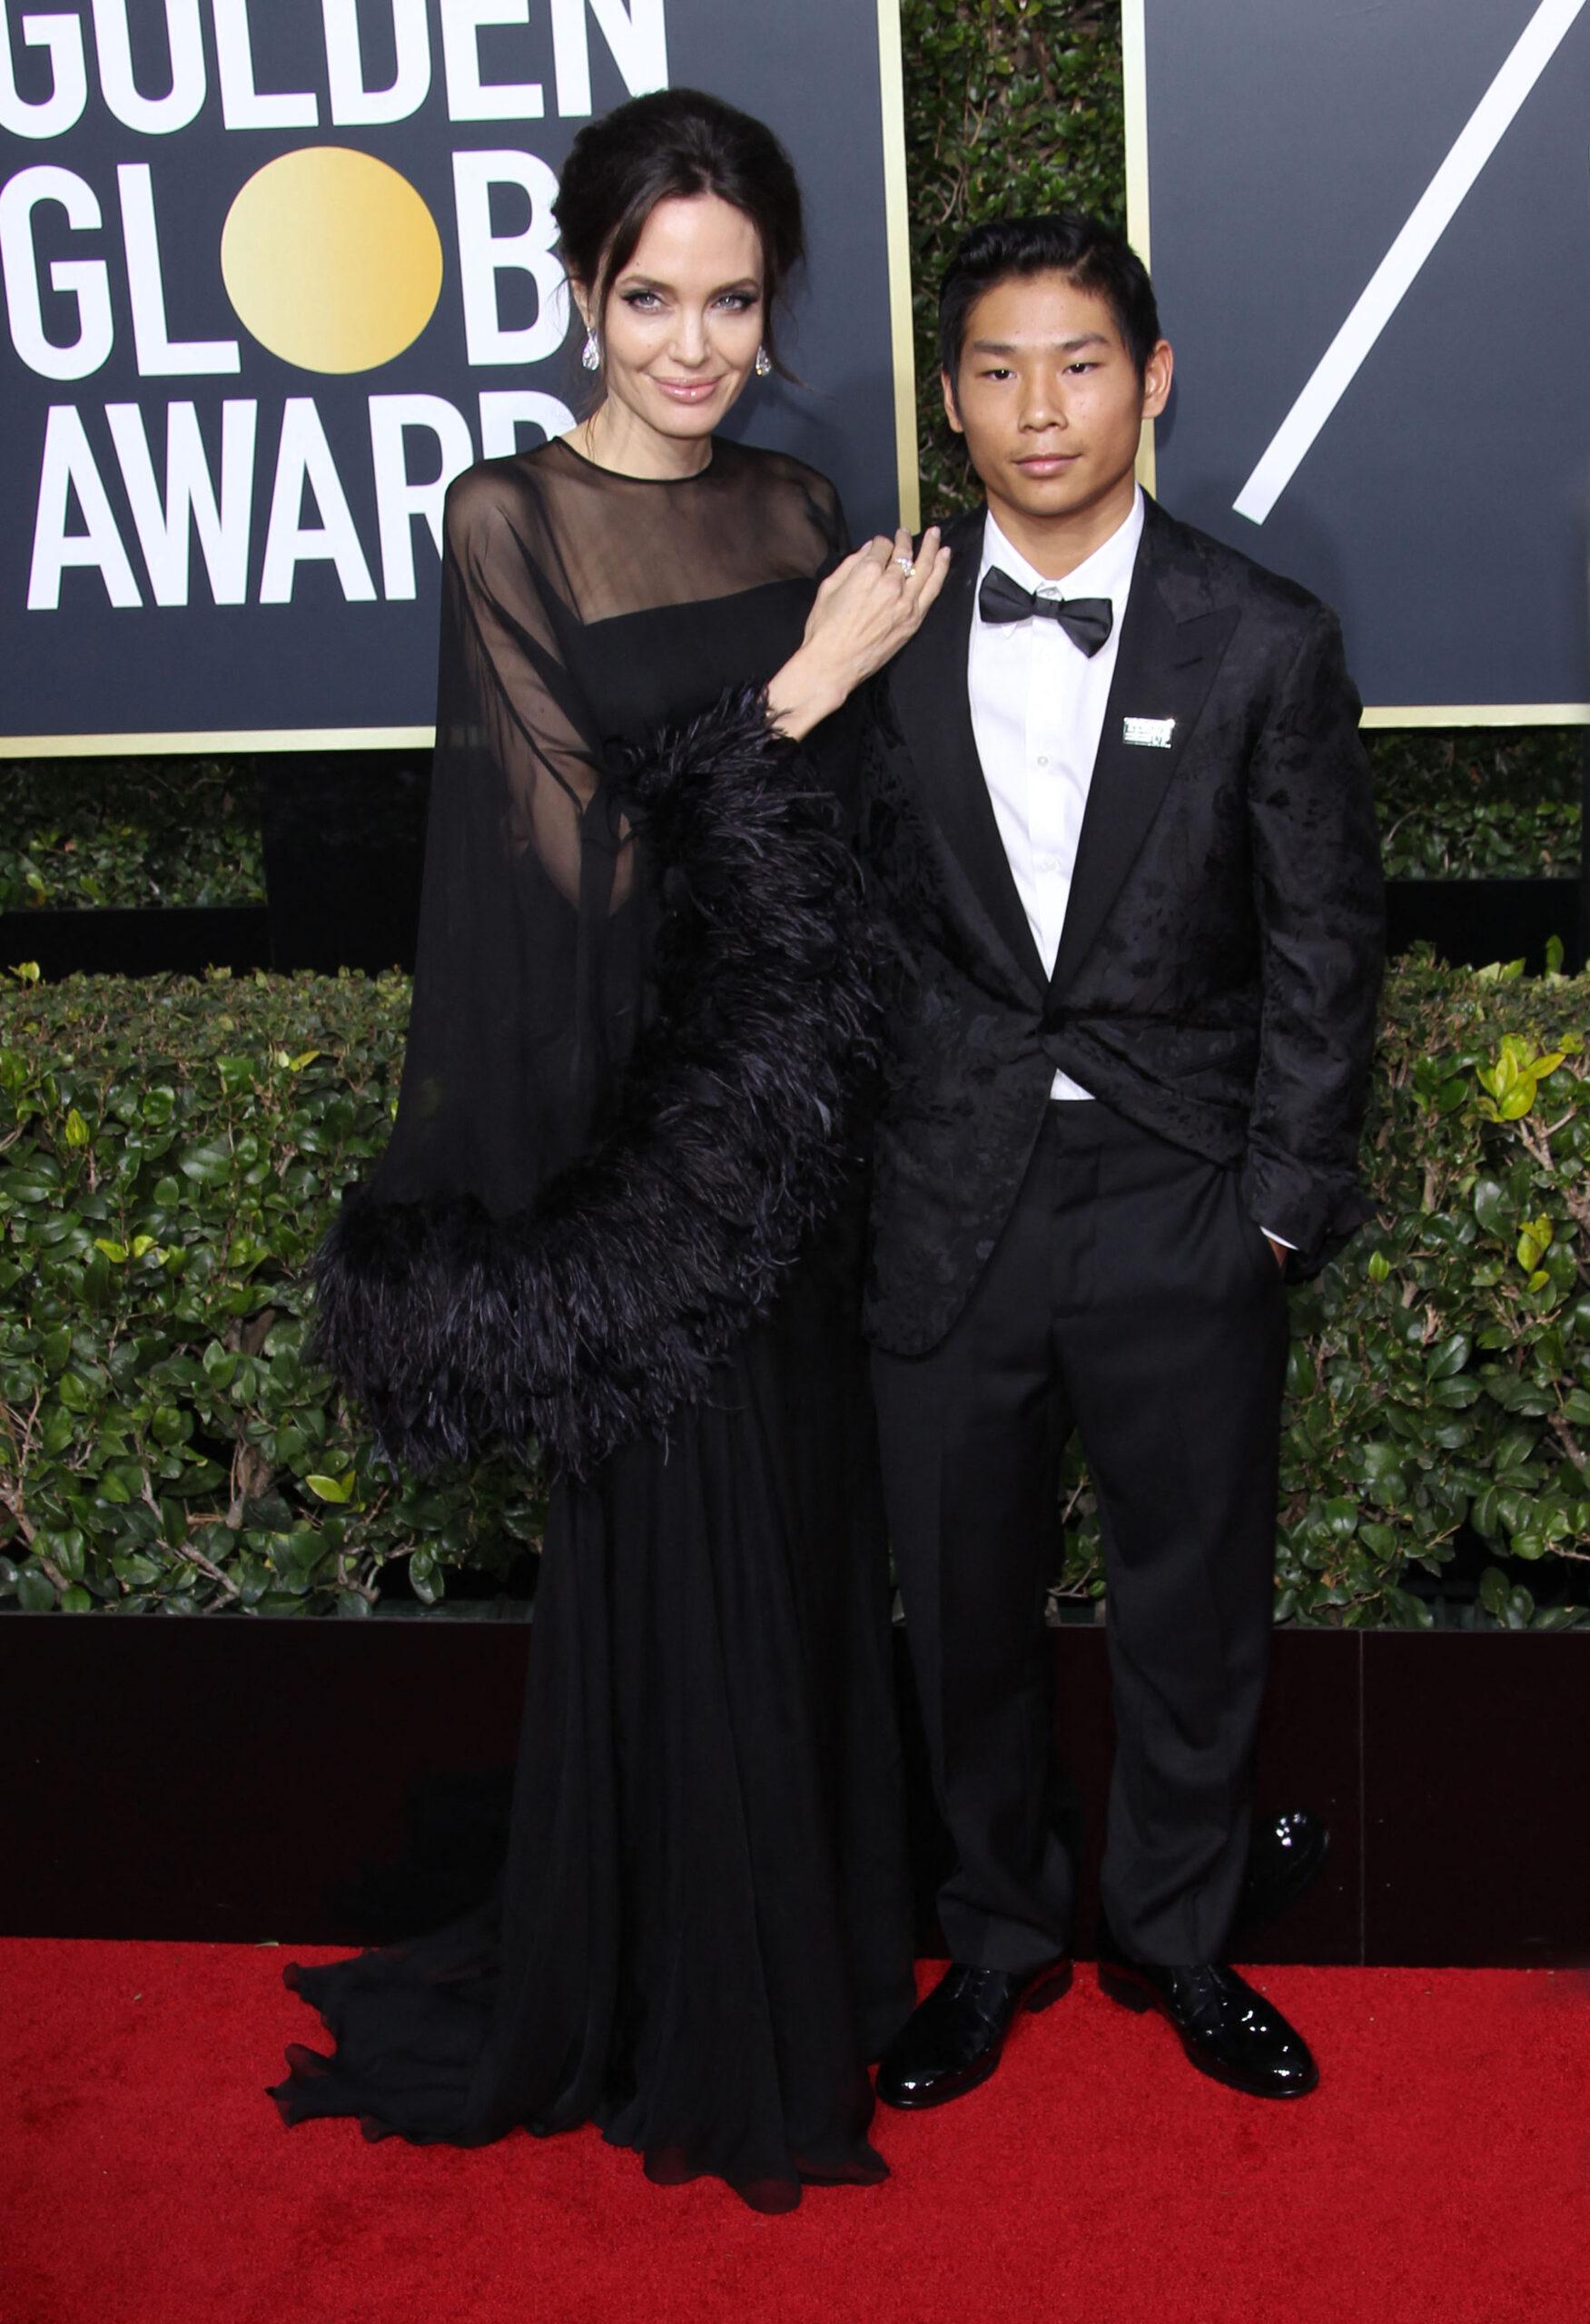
point(1038, 707)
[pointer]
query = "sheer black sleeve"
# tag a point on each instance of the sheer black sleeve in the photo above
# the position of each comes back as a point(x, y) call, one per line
point(527, 978)
point(642, 994)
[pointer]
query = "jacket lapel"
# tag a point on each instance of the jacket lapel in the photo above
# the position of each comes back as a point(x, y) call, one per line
point(1173, 637)
point(935, 712)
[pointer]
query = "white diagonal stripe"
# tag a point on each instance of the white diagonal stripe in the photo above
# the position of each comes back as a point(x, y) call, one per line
point(1390, 283)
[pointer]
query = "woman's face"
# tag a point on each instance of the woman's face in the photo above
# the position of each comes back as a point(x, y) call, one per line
point(683, 318)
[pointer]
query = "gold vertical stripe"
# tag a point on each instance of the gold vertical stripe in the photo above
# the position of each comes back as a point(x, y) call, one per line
point(1135, 85)
point(269, 738)
point(896, 214)
point(1478, 713)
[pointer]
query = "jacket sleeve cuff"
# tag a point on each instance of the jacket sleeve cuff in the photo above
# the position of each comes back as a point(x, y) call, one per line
point(1314, 1213)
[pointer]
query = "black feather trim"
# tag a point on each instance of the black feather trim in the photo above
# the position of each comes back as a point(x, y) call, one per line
point(592, 1318)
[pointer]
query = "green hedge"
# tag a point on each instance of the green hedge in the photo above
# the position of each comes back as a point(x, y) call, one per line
point(1498, 803)
point(169, 1154)
point(1480, 803)
point(128, 832)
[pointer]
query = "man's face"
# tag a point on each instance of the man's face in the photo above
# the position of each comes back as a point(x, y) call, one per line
point(1049, 399)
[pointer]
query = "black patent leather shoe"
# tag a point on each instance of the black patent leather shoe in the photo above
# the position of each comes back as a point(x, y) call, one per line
point(954, 2040)
point(1286, 1856)
point(1229, 2031)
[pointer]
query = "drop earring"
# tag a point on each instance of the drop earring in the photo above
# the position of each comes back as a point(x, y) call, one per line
point(590, 354)
point(764, 362)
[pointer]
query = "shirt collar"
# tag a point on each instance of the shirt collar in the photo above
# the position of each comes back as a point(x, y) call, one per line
point(1107, 573)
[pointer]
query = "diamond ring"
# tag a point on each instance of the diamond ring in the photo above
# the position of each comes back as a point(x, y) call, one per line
point(906, 563)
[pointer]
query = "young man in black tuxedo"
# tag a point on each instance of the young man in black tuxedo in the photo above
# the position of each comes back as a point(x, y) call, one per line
point(1123, 825)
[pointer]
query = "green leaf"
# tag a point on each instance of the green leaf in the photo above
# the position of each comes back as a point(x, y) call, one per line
point(209, 1165)
point(1499, 1079)
point(66, 1549)
point(1380, 1461)
point(57, 1430)
point(138, 1570)
point(1450, 1357)
point(76, 1128)
point(1490, 1206)
point(335, 1488)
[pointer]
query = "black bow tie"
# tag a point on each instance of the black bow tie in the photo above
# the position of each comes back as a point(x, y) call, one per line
point(1086, 620)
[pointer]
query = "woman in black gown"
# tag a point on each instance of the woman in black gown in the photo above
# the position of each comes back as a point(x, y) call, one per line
point(617, 1213)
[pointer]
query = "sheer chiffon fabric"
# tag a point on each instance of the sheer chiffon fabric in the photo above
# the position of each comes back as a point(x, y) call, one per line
point(581, 613)
point(701, 1933)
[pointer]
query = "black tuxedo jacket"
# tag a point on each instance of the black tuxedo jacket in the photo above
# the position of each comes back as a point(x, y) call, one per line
point(1219, 962)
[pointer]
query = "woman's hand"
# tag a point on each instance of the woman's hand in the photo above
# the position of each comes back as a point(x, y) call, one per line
point(861, 617)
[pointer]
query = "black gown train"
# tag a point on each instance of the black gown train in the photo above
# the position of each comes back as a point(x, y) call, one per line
point(617, 1211)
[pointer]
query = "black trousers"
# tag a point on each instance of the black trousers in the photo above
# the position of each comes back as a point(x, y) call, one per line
point(1128, 1297)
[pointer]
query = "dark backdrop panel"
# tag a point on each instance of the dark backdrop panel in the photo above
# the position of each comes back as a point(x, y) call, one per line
point(1442, 509)
point(321, 663)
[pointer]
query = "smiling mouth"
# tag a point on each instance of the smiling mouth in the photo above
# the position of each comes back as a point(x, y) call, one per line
point(689, 390)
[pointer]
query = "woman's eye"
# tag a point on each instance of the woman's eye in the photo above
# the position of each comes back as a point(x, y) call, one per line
point(640, 298)
point(737, 301)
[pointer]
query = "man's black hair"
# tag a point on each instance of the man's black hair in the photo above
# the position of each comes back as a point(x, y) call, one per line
point(1090, 252)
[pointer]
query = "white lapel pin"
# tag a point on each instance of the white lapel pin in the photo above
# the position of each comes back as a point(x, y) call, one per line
point(1152, 733)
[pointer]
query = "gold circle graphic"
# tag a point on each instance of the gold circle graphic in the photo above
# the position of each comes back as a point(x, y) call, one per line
point(331, 260)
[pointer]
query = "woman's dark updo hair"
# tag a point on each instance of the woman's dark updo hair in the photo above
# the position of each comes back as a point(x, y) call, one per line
point(675, 142)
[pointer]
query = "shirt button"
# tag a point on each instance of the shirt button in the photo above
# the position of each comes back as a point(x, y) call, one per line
point(1043, 760)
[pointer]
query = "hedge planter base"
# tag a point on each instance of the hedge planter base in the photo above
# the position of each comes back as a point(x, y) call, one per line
point(337, 1782)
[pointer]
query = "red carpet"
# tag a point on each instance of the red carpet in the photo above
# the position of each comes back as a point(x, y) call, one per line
point(1442, 2171)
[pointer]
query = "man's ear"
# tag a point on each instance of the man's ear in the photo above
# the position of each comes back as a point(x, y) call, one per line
point(951, 413)
point(1157, 373)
